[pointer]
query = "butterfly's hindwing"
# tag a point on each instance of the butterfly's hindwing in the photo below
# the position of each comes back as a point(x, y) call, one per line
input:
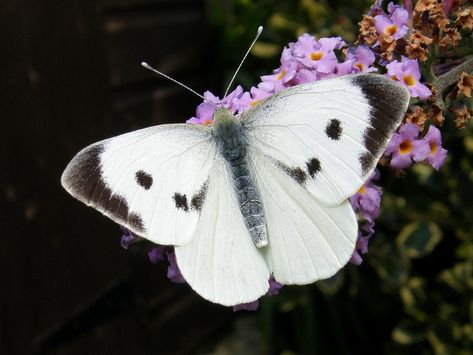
point(307, 241)
point(221, 262)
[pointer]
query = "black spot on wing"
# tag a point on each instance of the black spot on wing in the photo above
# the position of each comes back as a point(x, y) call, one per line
point(334, 129)
point(83, 178)
point(143, 179)
point(366, 159)
point(388, 103)
point(180, 201)
point(198, 199)
point(313, 167)
point(297, 174)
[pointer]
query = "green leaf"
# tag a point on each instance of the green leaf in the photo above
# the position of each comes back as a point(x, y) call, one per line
point(414, 298)
point(443, 335)
point(408, 332)
point(419, 239)
point(265, 50)
point(460, 277)
point(391, 265)
point(332, 285)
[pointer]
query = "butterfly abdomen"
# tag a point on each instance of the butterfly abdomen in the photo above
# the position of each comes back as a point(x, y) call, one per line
point(232, 143)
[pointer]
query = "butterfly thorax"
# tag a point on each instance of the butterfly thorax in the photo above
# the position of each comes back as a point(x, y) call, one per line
point(232, 143)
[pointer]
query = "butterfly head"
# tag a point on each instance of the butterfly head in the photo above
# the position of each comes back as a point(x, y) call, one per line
point(223, 117)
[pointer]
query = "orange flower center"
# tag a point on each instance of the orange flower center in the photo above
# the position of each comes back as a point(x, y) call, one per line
point(405, 147)
point(281, 74)
point(316, 55)
point(390, 30)
point(362, 190)
point(409, 80)
point(208, 122)
point(254, 103)
point(360, 66)
point(433, 148)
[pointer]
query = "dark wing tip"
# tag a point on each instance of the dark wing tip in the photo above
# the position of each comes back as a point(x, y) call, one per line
point(83, 172)
point(82, 178)
point(388, 103)
point(384, 89)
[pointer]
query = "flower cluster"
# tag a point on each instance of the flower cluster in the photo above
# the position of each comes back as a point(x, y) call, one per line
point(366, 203)
point(391, 43)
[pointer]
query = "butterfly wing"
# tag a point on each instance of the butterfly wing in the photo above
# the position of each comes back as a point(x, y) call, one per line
point(307, 240)
point(221, 262)
point(329, 134)
point(152, 181)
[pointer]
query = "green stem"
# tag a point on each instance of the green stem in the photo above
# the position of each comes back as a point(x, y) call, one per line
point(444, 81)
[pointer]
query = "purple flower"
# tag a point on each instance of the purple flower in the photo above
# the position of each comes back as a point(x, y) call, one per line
point(260, 93)
point(368, 199)
point(274, 288)
point(252, 98)
point(174, 274)
point(250, 306)
point(305, 76)
point(447, 5)
point(407, 73)
point(360, 248)
point(205, 111)
point(128, 238)
point(281, 76)
point(404, 147)
point(356, 258)
point(437, 154)
point(159, 253)
point(376, 8)
point(358, 60)
point(317, 55)
point(363, 59)
point(408, 6)
point(204, 114)
point(395, 24)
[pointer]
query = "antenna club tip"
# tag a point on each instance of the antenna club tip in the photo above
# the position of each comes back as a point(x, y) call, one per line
point(260, 29)
point(144, 64)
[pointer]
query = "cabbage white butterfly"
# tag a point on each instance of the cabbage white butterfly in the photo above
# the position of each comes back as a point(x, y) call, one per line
point(261, 194)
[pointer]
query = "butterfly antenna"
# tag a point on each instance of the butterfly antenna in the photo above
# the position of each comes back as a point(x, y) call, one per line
point(149, 67)
point(260, 29)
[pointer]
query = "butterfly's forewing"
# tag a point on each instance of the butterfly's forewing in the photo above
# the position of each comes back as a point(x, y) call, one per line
point(153, 181)
point(308, 241)
point(328, 135)
point(221, 262)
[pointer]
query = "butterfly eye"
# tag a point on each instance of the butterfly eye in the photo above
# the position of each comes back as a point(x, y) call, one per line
point(143, 179)
point(334, 129)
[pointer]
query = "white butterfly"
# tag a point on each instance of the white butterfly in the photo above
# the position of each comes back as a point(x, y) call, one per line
point(251, 196)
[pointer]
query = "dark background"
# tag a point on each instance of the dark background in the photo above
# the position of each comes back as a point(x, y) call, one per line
point(71, 76)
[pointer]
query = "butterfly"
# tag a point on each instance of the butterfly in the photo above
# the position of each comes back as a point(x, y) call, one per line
point(249, 197)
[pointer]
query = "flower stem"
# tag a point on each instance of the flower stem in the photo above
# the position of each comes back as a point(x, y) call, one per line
point(444, 81)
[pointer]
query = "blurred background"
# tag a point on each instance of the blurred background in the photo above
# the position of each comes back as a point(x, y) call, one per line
point(71, 76)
